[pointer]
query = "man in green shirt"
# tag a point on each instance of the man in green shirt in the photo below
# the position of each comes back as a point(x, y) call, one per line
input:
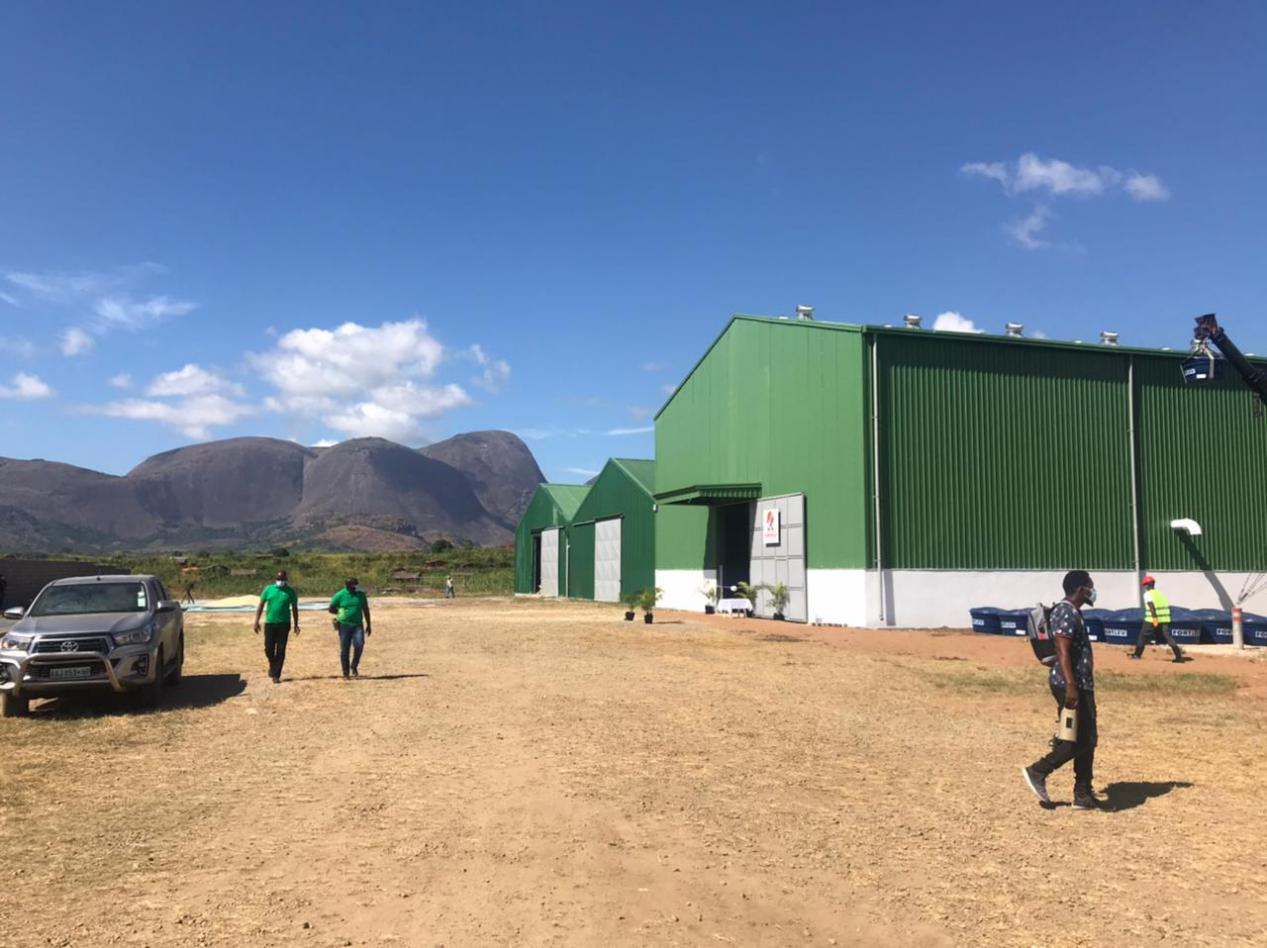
point(282, 603)
point(352, 615)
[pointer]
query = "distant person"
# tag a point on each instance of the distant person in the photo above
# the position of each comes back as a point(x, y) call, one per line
point(351, 608)
point(448, 587)
point(282, 603)
point(189, 594)
point(1156, 620)
point(1072, 683)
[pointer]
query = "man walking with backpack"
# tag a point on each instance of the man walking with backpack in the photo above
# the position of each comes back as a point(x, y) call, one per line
point(1072, 683)
point(1156, 620)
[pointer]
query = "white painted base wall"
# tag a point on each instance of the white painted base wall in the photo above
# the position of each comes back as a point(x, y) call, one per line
point(930, 599)
point(682, 587)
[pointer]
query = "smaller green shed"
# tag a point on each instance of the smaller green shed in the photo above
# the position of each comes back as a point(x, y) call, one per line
point(613, 533)
point(541, 544)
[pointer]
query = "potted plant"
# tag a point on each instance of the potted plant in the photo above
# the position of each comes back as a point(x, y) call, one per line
point(647, 600)
point(712, 593)
point(630, 602)
point(779, 597)
point(747, 591)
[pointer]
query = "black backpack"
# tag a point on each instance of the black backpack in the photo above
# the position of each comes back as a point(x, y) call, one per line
point(1040, 636)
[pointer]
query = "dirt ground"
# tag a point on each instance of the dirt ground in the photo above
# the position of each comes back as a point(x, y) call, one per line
point(527, 773)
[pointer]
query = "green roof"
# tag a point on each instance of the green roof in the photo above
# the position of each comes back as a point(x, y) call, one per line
point(567, 497)
point(643, 472)
point(1182, 333)
point(711, 495)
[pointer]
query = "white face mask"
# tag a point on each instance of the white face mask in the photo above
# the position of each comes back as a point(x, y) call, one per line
point(281, 582)
point(1091, 597)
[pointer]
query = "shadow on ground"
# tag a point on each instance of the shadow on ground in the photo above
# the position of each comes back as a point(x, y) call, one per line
point(194, 691)
point(357, 677)
point(1128, 795)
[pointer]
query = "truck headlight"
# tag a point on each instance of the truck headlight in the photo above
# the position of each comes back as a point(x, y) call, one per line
point(135, 637)
point(14, 643)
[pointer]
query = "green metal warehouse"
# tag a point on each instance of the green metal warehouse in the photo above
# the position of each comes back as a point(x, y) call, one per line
point(897, 476)
point(541, 547)
point(612, 534)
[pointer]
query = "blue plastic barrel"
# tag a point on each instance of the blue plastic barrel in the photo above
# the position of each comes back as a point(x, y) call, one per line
point(1122, 626)
point(1255, 629)
point(1185, 626)
point(1094, 620)
point(1014, 621)
point(1216, 626)
point(985, 619)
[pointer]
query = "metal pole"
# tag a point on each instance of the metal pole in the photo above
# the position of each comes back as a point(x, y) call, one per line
point(1130, 427)
point(1238, 626)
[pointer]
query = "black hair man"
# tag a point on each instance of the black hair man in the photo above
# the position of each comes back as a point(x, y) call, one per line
point(1072, 683)
point(282, 603)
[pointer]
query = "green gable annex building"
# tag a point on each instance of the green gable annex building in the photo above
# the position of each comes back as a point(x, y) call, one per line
point(898, 477)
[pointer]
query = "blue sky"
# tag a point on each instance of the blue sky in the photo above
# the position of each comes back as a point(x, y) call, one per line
point(317, 221)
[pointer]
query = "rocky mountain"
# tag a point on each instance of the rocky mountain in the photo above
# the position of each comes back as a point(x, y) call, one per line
point(362, 494)
point(499, 466)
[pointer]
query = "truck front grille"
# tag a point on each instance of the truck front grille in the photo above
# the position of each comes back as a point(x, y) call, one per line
point(81, 645)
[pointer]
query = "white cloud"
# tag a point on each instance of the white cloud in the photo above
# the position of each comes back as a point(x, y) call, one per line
point(951, 321)
point(190, 381)
point(994, 170)
point(10, 299)
point(25, 387)
point(640, 413)
point(496, 373)
point(60, 287)
point(127, 313)
point(75, 342)
point(629, 431)
point(365, 380)
point(583, 471)
point(1146, 187)
point(325, 443)
point(1061, 178)
point(1025, 231)
point(669, 389)
point(654, 366)
point(122, 380)
point(193, 416)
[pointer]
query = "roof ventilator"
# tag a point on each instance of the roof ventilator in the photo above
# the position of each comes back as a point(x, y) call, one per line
point(1108, 338)
point(1014, 329)
point(805, 312)
point(912, 321)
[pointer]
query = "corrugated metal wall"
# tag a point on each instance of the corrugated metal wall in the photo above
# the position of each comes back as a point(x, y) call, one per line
point(999, 455)
point(617, 492)
point(543, 511)
point(777, 403)
point(581, 561)
point(1203, 454)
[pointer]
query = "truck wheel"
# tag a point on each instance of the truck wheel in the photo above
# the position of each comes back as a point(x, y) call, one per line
point(152, 694)
point(174, 676)
point(14, 707)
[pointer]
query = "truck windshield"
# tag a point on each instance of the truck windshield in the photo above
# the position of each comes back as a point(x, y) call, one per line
point(84, 598)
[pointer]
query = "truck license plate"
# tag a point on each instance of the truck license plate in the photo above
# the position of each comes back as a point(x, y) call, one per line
point(71, 671)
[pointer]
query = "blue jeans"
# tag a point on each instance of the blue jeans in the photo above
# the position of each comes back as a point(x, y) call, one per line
point(351, 637)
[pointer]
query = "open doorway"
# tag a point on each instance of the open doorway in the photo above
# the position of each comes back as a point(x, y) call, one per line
point(536, 562)
point(734, 546)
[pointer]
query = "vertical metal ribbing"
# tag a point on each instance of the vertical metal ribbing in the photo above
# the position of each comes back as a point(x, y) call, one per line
point(875, 460)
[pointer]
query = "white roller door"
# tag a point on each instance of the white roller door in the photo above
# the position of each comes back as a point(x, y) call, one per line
point(550, 562)
point(784, 561)
point(607, 560)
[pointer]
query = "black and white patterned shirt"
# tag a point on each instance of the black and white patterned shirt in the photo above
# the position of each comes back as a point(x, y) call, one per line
point(1066, 622)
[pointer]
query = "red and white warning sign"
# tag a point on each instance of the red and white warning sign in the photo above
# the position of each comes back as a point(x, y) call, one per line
point(770, 526)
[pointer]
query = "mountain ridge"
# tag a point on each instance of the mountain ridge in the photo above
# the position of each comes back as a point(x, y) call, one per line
point(361, 494)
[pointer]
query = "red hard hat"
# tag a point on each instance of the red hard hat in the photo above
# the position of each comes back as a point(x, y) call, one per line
point(1148, 581)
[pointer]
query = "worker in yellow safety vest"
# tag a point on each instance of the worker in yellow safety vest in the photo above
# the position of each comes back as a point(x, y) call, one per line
point(1156, 620)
